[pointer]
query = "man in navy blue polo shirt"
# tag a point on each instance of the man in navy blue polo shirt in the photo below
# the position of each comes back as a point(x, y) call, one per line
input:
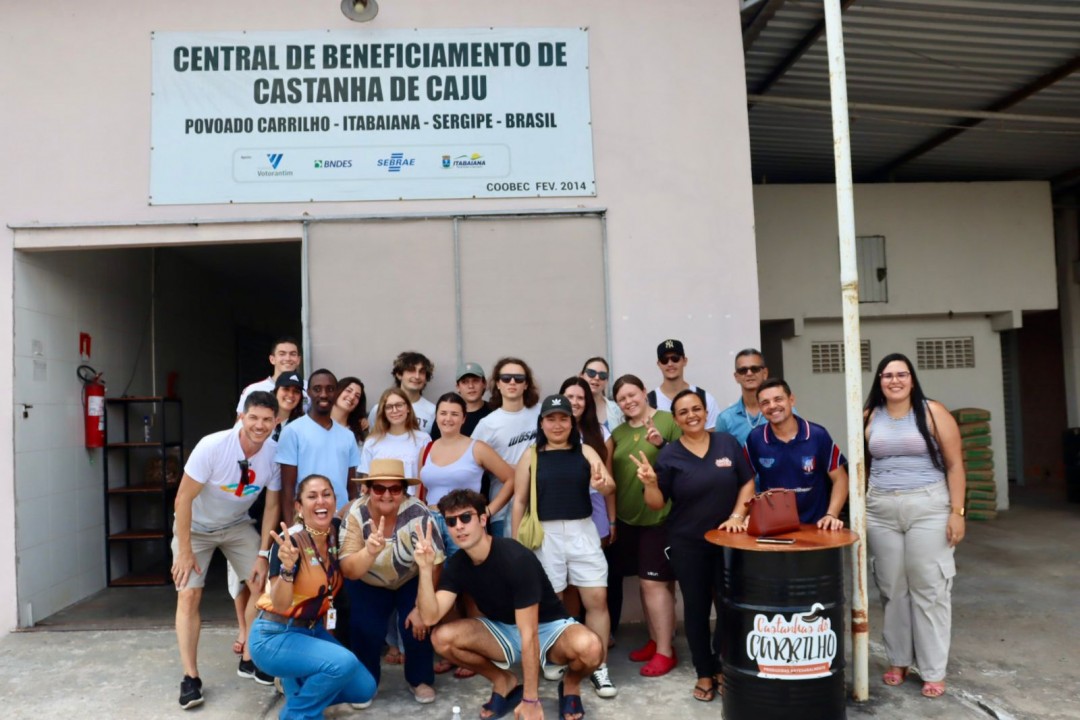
point(793, 453)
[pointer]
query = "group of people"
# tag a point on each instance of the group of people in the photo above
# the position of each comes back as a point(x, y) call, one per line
point(414, 508)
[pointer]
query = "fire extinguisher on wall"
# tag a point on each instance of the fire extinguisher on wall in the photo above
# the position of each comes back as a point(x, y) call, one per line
point(93, 405)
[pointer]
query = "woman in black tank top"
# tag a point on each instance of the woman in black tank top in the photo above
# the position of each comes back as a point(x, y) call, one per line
point(564, 469)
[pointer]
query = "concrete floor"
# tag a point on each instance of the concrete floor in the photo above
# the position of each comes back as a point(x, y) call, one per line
point(1014, 637)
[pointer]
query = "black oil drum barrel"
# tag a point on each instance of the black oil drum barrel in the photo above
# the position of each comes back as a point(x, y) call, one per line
point(1071, 445)
point(783, 635)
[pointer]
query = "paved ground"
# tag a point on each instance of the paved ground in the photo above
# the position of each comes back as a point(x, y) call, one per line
point(1014, 653)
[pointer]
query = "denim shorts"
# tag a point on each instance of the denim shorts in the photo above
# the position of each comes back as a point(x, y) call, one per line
point(509, 639)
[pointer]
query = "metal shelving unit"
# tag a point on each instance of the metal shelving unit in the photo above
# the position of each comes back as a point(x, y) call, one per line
point(138, 506)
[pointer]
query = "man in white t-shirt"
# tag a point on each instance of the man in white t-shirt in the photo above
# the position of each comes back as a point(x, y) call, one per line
point(412, 372)
point(222, 479)
point(284, 357)
point(671, 359)
point(511, 427)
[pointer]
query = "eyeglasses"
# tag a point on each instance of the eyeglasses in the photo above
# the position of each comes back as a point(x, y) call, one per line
point(465, 518)
point(589, 372)
point(381, 490)
point(509, 378)
point(895, 376)
point(668, 359)
point(749, 369)
point(394, 407)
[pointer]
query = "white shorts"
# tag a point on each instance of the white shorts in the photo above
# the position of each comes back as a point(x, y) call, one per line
point(571, 554)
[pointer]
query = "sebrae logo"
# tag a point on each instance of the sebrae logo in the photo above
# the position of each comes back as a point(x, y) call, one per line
point(396, 162)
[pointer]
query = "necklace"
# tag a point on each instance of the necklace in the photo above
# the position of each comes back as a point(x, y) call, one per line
point(316, 533)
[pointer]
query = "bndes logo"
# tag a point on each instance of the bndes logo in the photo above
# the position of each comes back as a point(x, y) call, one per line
point(333, 163)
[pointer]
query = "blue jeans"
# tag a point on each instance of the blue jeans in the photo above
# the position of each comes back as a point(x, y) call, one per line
point(368, 629)
point(315, 669)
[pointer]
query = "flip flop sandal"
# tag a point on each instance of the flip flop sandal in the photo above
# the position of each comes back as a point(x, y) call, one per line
point(464, 673)
point(570, 705)
point(933, 689)
point(443, 666)
point(499, 706)
point(394, 658)
point(704, 693)
point(894, 676)
point(238, 647)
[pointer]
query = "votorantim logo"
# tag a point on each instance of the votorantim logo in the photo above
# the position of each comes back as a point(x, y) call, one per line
point(275, 159)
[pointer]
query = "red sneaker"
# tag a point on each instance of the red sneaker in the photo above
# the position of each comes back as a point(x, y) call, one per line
point(644, 653)
point(659, 665)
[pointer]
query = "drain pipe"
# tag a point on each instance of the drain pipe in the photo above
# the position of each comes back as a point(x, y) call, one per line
point(849, 289)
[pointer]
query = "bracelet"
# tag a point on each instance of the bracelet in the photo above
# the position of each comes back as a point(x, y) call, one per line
point(534, 701)
point(287, 575)
point(736, 516)
point(264, 554)
point(832, 516)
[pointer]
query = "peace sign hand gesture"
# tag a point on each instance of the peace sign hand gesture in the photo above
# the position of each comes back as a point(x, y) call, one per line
point(597, 479)
point(424, 552)
point(288, 552)
point(652, 434)
point(645, 472)
point(376, 541)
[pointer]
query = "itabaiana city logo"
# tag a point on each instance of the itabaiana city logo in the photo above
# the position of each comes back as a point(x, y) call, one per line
point(798, 649)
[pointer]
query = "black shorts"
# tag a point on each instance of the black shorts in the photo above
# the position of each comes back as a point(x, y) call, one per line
point(640, 550)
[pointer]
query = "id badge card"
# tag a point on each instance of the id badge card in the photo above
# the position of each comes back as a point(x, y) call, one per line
point(331, 619)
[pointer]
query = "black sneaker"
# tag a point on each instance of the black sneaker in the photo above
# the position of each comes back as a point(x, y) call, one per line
point(248, 669)
point(190, 692)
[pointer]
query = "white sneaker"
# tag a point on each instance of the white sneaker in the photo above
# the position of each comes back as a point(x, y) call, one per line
point(554, 673)
point(601, 682)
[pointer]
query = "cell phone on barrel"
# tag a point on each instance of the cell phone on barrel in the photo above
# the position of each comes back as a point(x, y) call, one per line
point(776, 541)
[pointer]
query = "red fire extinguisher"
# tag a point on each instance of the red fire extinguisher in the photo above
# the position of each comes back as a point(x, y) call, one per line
point(93, 405)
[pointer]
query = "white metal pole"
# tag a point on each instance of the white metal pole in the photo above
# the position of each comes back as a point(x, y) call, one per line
point(849, 288)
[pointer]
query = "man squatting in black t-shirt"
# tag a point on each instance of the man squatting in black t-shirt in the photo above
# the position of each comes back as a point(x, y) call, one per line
point(523, 618)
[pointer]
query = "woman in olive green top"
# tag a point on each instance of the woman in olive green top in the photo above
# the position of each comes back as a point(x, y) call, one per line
point(639, 533)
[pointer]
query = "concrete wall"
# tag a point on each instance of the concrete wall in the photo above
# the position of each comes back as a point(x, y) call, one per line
point(60, 538)
point(951, 247)
point(671, 153)
point(820, 396)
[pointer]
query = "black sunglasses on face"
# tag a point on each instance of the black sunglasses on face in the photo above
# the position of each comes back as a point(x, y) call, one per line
point(383, 489)
point(589, 372)
point(749, 369)
point(668, 359)
point(465, 518)
point(509, 378)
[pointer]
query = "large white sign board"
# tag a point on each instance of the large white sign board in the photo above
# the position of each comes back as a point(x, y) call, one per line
point(370, 115)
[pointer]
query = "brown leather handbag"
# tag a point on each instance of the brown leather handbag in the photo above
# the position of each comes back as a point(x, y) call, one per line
point(772, 512)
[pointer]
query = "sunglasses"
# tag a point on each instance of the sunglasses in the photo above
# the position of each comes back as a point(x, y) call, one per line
point(465, 518)
point(381, 490)
point(589, 372)
point(509, 378)
point(749, 369)
point(668, 359)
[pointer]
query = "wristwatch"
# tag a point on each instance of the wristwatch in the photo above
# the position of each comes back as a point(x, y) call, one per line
point(264, 554)
point(961, 511)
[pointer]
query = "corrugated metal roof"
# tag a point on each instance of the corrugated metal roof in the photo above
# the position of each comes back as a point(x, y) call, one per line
point(964, 55)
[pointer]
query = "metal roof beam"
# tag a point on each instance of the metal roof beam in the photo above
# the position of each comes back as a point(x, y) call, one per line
point(1038, 84)
point(797, 52)
point(761, 19)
